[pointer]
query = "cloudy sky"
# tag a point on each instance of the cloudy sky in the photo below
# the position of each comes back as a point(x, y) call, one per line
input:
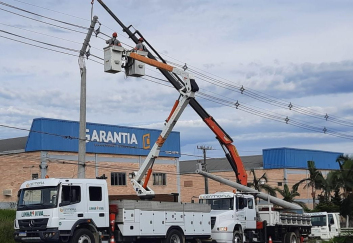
point(281, 52)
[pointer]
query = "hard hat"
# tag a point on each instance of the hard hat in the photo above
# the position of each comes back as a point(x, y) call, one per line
point(115, 34)
point(141, 39)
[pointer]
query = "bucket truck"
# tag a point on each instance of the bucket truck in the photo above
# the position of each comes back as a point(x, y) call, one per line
point(235, 217)
point(79, 210)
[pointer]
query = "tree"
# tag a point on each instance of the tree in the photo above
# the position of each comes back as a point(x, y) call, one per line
point(314, 180)
point(289, 195)
point(259, 184)
point(345, 181)
point(327, 185)
point(336, 199)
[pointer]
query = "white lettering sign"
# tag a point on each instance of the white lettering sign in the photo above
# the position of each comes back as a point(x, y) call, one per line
point(111, 137)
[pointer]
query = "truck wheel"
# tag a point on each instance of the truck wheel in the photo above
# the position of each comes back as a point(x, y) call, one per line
point(174, 236)
point(291, 237)
point(237, 237)
point(83, 236)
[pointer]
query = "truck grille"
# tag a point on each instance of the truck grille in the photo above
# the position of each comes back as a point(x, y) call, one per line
point(33, 224)
point(213, 221)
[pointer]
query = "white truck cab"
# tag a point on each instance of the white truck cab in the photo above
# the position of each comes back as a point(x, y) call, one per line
point(79, 210)
point(231, 214)
point(325, 225)
point(51, 208)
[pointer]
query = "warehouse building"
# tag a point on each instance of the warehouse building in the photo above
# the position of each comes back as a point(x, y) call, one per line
point(281, 165)
point(51, 148)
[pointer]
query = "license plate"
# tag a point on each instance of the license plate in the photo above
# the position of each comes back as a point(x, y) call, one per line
point(22, 234)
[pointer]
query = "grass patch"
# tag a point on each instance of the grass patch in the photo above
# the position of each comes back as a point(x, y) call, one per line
point(6, 225)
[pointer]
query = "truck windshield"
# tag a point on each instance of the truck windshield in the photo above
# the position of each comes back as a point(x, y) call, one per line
point(37, 198)
point(219, 203)
point(319, 220)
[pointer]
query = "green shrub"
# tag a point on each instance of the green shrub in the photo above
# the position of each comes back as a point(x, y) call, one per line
point(7, 218)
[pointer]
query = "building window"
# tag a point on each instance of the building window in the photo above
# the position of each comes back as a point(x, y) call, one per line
point(118, 179)
point(279, 183)
point(95, 193)
point(159, 179)
point(35, 176)
point(188, 183)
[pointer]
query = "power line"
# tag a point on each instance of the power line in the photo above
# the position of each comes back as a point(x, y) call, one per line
point(253, 94)
point(58, 26)
point(265, 115)
point(242, 108)
point(268, 99)
point(45, 43)
point(26, 11)
point(56, 37)
point(73, 17)
point(50, 9)
point(49, 49)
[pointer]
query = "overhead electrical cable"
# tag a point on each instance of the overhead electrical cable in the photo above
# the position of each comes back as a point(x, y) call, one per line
point(269, 99)
point(26, 11)
point(249, 92)
point(58, 26)
point(41, 42)
point(49, 49)
point(270, 116)
point(56, 37)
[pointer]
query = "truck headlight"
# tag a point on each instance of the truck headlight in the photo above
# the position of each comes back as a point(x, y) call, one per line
point(222, 228)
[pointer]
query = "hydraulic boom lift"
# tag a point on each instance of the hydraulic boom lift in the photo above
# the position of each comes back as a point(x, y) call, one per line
point(187, 92)
point(224, 139)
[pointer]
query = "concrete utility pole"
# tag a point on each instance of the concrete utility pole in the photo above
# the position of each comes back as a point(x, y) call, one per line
point(43, 164)
point(204, 164)
point(82, 135)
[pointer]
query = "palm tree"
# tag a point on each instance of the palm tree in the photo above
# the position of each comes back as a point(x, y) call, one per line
point(289, 195)
point(314, 180)
point(345, 175)
point(329, 184)
point(345, 181)
point(259, 184)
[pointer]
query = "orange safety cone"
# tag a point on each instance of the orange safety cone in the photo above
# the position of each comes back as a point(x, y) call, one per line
point(112, 226)
point(270, 239)
point(112, 240)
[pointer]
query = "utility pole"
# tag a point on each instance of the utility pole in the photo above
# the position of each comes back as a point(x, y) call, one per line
point(82, 134)
point(43, 164)
point(204, 164)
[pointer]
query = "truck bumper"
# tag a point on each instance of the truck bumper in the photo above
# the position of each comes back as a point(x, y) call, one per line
point(50, 235)
point(222, 237)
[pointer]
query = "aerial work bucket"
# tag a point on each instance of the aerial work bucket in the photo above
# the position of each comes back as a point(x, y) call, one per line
point(136, 68)
point(113, 59)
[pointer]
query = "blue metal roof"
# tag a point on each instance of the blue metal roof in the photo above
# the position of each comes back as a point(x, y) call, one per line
point(277, 158)
point(62, 135)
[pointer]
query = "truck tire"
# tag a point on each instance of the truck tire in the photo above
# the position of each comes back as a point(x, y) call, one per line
point(174, 236)
point(237, 237)
point(291, 237)
point(83, 236)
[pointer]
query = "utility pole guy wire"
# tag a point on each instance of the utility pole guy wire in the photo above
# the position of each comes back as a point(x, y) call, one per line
point(82, 134)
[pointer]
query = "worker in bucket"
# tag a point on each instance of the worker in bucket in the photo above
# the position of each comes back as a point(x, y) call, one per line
point(113, 41)
point(140, 46)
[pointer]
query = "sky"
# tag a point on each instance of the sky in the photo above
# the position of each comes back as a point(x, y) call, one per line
point(281, 52)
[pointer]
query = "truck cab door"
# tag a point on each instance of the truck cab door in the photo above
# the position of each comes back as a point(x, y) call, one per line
point(71, 205)
point(97, 206)
point(250, 214)
point(241, 204)
point(332, 225)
